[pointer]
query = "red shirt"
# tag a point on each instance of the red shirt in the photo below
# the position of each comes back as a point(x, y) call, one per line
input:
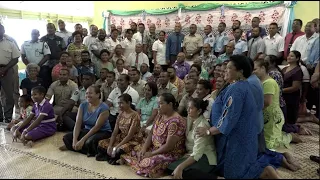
point(287, 41)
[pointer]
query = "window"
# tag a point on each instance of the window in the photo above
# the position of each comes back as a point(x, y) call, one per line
point(20, 29)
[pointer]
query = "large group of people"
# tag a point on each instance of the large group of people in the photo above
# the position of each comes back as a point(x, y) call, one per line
point(185, 105)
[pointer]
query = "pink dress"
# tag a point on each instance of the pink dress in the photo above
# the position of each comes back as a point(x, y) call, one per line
point(156, 165)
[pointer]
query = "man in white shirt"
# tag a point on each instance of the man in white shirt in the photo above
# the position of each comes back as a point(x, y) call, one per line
point(141, 35)
point(113, 99)
point(221, 40)
point(304, 43)
point(274, 43)
point(63, 32)
point(209, 36)
point(137, 58)
point(129, 44)
point(35, 51)
point(88, 40)
point(240, 46)
point(159, 50)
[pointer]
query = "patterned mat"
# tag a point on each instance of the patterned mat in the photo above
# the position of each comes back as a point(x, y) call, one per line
point(45, 161)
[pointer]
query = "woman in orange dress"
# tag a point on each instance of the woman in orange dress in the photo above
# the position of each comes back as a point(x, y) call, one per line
point(125, 136)
point(165, 143)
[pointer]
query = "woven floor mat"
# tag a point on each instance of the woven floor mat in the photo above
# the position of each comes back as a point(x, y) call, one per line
point(44, 160)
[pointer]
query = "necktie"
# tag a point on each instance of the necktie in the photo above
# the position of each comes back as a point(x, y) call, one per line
point(250, 47)
point(178, 42)
point(290, 43)
point(141, 38)
point(137, 55)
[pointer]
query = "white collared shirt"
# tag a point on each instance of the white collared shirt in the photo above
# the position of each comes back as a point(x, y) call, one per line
point(65, 35)
point(303, 45)
point(142, 58)
point(221, 41)
point(210, 39)
point(128, 46)
point(138, 37)
point(35, 51)
point(273, 45)
point(88, 40)
point(124, 71)
point(111, 44)
point(160, 48)
point(240, 47)
point(114, 98)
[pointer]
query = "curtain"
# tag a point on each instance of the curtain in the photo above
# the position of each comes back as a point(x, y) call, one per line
point(288, 17)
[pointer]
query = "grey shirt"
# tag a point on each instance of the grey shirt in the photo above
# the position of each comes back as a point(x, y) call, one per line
point(255, 46)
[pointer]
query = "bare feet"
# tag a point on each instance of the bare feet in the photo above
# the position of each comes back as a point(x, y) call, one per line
point(289, 163)
point(269, 173)
point(29, 143)
point(63, 148)
point(296, 138)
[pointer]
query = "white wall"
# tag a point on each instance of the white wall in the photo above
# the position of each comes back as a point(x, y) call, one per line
point(70, 8)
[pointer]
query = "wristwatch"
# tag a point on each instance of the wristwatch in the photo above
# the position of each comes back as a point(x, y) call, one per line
point(208, 132)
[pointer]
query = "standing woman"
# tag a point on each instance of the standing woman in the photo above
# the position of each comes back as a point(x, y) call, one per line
point(292, 84)
point(233, 124)
point(125, 136)
point(76, 47)
point(94, 115)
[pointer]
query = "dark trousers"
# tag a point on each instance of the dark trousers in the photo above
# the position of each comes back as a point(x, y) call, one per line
point(313, 99)
point(69, 121)
point(6, 99)
point(113, 120)
point(313, 95)
point(151, 64)
point(91, 144)
point(45, 75)
point(261, 142)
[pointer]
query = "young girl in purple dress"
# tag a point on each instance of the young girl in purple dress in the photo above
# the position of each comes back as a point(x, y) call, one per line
point(40, 123)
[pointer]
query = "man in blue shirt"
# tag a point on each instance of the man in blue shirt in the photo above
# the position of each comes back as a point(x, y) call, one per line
point(174, 44)
point(255, 23)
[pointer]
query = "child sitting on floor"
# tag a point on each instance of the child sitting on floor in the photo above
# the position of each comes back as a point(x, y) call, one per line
point(44, 124)
point(25, 105)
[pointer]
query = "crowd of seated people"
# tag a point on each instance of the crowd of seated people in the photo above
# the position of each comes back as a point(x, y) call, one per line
point(207, 107)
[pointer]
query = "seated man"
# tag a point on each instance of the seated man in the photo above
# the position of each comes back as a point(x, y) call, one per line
point(165, 86)
point(62, 90)
point(103, 77)
point(113, 98)
point(190, 92)
point(69, 111)
point(136, 82)
point(176, 81)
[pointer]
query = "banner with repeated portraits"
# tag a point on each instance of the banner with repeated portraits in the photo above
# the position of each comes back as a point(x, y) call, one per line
point(203, 18)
